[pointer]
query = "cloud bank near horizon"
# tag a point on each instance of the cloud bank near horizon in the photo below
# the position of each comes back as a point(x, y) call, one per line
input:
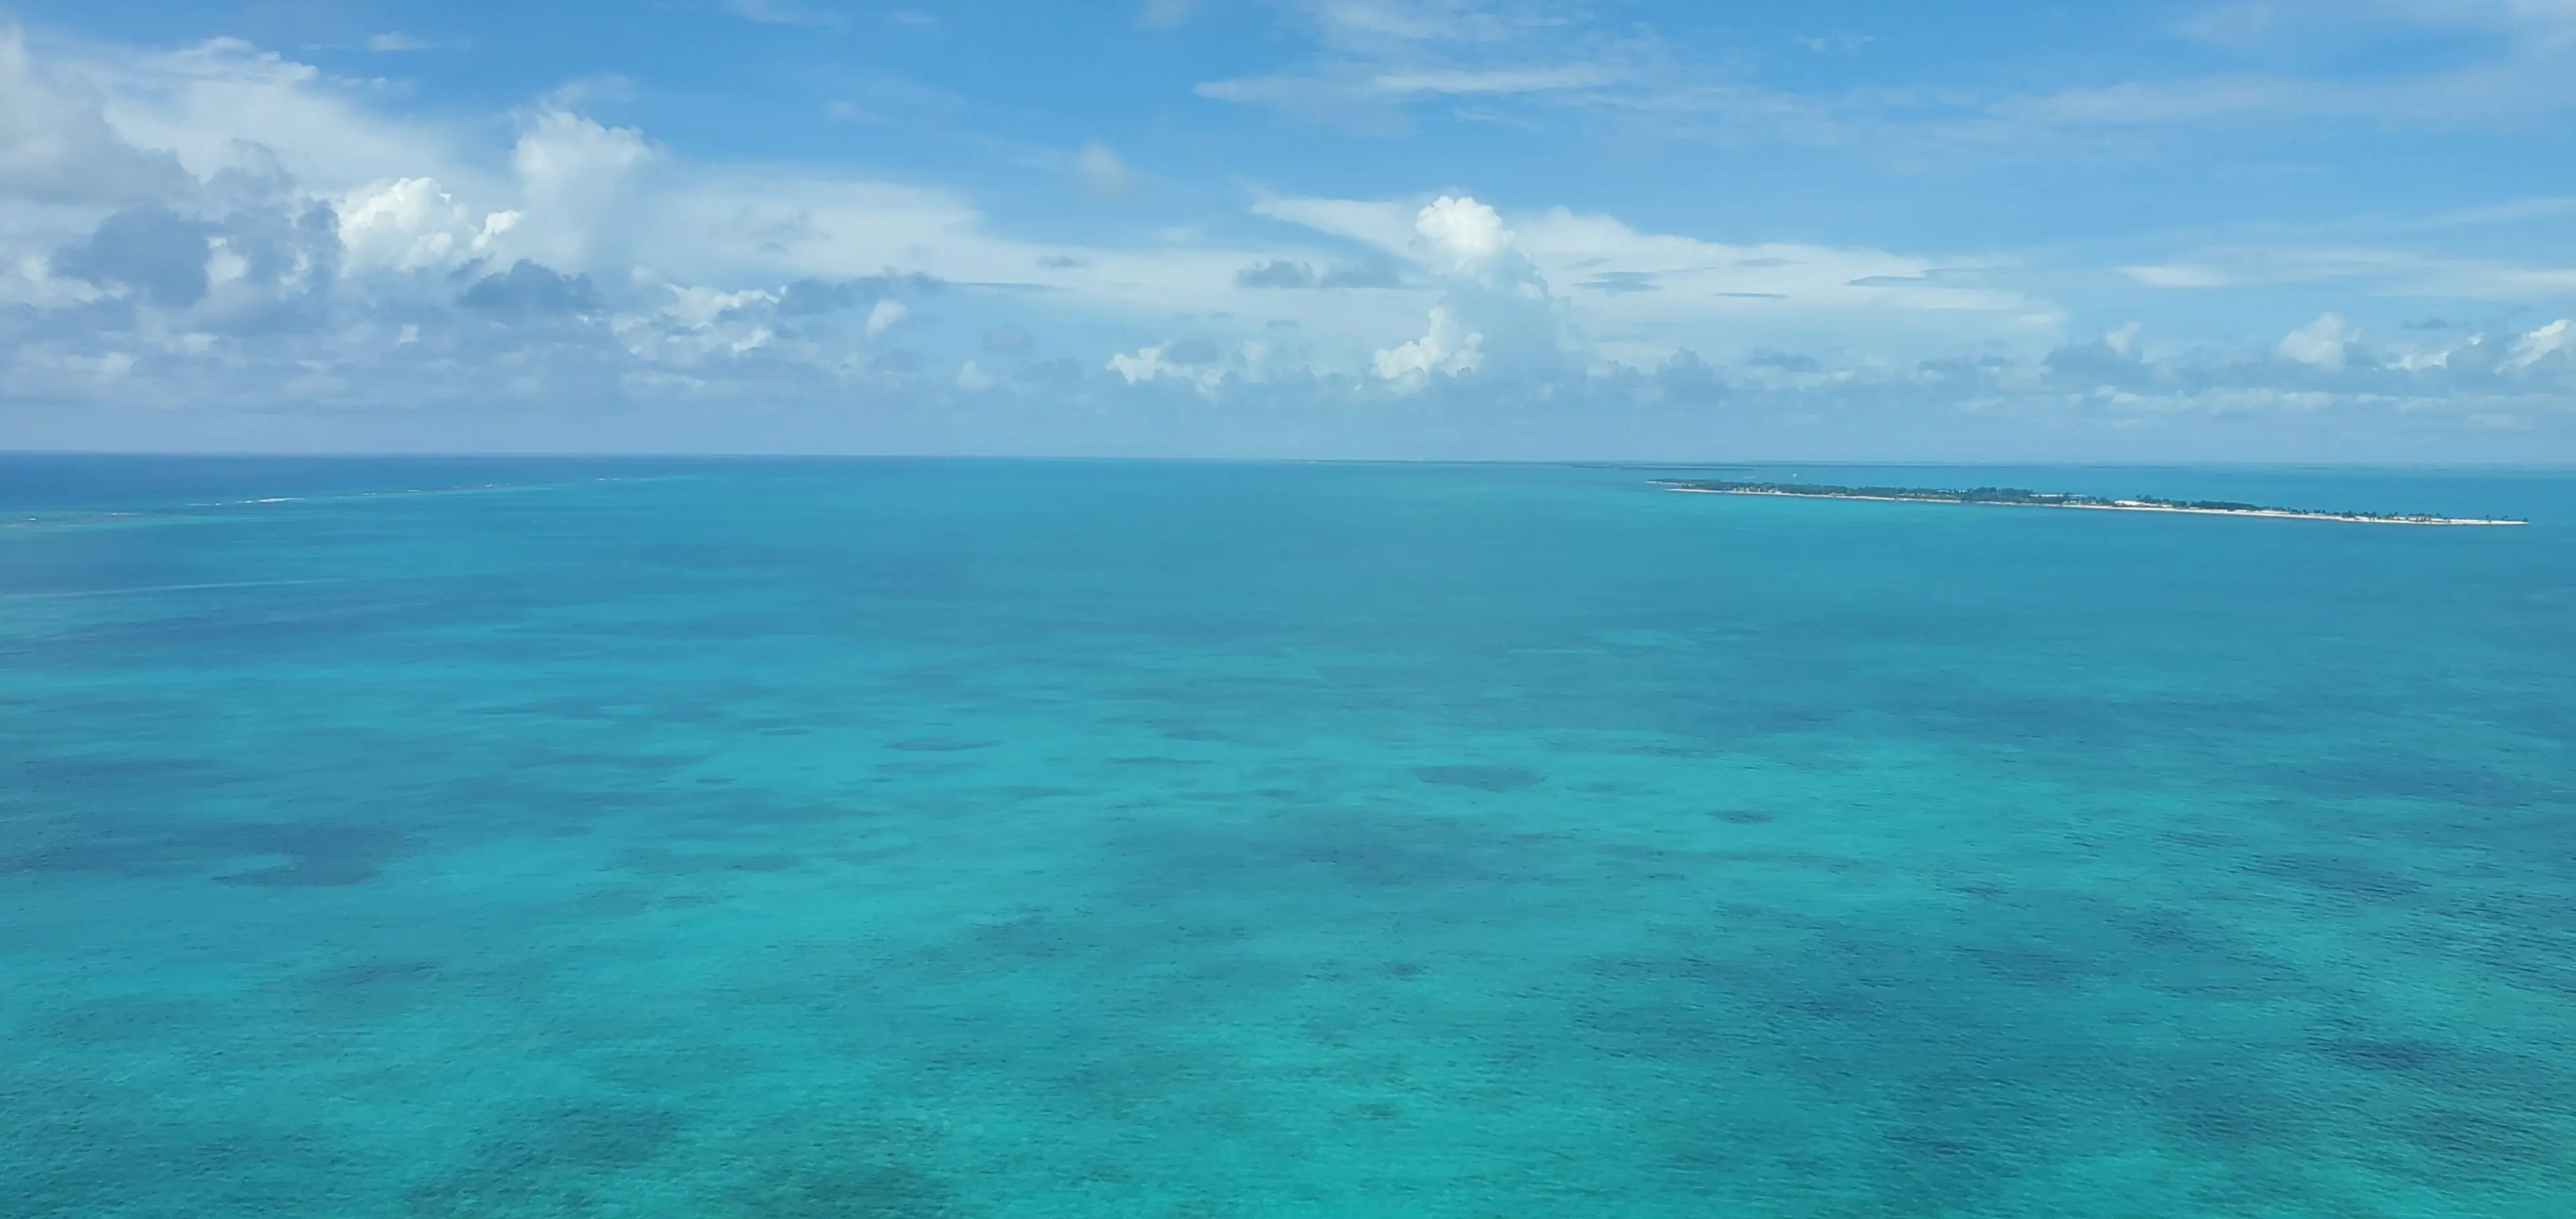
point(216, 245)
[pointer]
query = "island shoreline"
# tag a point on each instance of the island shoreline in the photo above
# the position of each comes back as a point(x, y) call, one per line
point(2291, 514)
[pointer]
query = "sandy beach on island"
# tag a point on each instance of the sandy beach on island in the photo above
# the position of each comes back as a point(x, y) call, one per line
point(2120, 506)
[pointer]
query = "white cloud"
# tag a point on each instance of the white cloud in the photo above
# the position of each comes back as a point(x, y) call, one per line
point(1377, 23)
point(886, 315)
point(1145, 365)
point(397, 42)
point(734, 282)
point(1375, 53)
point(779, 12)
point(2540, 344)
point(1165, 14)
point(1204, 368)
point(699, 306)
point(2383, 272)
point(1468, 236)
point(1845, 43)
point(225, 104)
point(2179, 275)
point(1389, 226)
point(1471, 81)
point(1446, 350)
point(1593, 283)
point(2513, 87)
point(2245, 23)
point(2323, 343)
point(1493, 303)
point(1103, 172)
point(579, 178)
point(1374, 61)
point(1408, 83)
point(56, 145)
point(411, 224)
point(32, 282)
point(1567, 62)
point(2505, 213)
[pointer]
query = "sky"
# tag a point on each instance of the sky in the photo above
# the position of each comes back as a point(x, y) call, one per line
point(2167, 230)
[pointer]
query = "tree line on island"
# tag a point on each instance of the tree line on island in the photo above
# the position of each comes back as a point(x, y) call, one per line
point(2017, 497)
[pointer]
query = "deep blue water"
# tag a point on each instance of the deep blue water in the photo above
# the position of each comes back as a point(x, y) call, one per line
point(777, 839)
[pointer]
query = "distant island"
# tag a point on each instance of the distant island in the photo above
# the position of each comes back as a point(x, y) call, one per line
point(2014, 497)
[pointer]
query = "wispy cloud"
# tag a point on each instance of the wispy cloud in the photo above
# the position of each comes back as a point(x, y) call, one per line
point(2252, 22)
point(2375, 271)
point(1372, 58)
point(2514, 211)
point(1371, 53)
point(783, 12)
point(1103, 173)
point(1165, 14)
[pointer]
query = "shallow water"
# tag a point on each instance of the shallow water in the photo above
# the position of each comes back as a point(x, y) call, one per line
point(989, 839)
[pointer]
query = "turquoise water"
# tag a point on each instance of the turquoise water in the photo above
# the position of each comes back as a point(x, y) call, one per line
point(988, 839)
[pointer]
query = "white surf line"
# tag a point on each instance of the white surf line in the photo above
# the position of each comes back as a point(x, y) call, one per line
point(349, 497)
point(2127, 506)
point(162, 588)
point(197, 510)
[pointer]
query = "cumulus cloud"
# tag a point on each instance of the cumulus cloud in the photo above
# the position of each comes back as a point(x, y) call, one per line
point(725, 280)
point(1465, 237)
point(412, 224)
point(2114, 359)
point(1197, 362)
point(2324, 343)
point(529, 289)
point(1447, 349)
point(1645, 294)
point(577, 175)
point(1492, 298)
point(1145, 365)
point(284, 245)
point(226, 105)
point(56, 145)
point(153, 251)
point(697, 305)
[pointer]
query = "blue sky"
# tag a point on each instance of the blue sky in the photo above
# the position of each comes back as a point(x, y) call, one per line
point(2284, 231)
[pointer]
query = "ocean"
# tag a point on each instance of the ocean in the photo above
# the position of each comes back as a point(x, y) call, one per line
point(951, 838)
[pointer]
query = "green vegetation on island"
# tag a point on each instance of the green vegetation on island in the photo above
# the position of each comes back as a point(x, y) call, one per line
point(2015, 497)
